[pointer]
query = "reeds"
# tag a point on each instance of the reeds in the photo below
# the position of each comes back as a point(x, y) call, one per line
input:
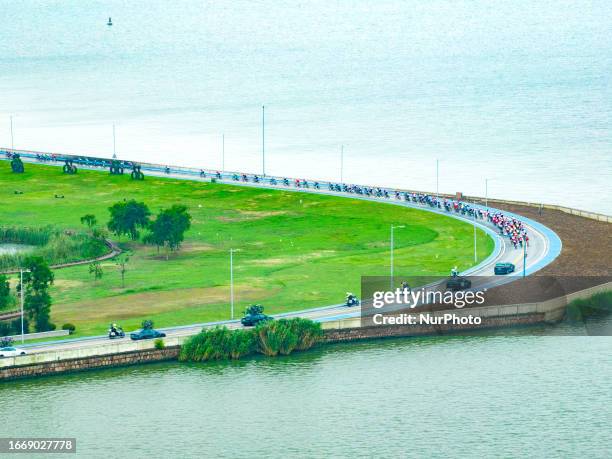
point(270, 338)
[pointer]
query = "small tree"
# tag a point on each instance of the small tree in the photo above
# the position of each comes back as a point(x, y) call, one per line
point(6, 341)
point(5, 292)
point(127, 217)
point(95, 268)
point(168, 229)
point(147, 324)
point(90, 220)
point(121, 262)
point(37, 279)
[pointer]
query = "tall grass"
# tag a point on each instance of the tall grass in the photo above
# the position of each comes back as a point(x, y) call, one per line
point(27, 236)
point(54, 246)
point(219, 343)
point(599, 303)
point(270, 338)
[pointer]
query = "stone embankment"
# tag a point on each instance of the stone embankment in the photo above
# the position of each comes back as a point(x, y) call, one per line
point(127, 352)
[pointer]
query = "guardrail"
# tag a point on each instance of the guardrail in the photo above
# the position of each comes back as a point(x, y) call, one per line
point(39, 335)
point(59, 157)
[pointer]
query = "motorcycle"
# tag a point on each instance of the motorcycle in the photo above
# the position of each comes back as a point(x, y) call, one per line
point(351, 300)
point(115, 332)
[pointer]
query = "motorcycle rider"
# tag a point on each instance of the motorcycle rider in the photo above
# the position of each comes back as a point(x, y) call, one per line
point(351, 299)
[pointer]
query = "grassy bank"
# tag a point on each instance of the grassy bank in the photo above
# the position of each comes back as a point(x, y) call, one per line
point(294, 250)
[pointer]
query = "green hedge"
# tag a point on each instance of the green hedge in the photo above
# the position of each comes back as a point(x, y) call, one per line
point(269, 338)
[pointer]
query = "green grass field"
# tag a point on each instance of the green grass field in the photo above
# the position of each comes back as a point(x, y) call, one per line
point(295, 250)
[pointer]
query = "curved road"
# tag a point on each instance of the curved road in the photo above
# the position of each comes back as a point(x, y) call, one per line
point(544, 246)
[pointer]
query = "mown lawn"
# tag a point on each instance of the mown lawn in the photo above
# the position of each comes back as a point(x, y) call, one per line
point(295, 250)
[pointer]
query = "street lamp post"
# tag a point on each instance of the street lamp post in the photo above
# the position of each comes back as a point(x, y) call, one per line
point(223, 153)
point(114, 143)
point(21, 287)
point(392, 245)
point(263, 140)
point(475, 249)
point(437, 179)
point(232, 284)
point(12, 138)
point(342, 164)
point(524, 258)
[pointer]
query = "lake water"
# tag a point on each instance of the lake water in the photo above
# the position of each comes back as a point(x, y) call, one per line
point(537, 392)
point(516, 91)
point(12, 249)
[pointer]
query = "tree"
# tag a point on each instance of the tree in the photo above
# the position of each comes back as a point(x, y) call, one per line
point(37, 279)
point(95, 268)
point(5, 292)
point(90, 220)
point(121, 262)
point(168, 229)
point(127, 217)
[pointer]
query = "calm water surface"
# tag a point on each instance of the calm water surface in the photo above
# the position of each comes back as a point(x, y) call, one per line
point(12, 249)
point(516, 91)
point(518, 394)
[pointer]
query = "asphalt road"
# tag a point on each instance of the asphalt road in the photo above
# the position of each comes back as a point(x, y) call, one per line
point(538, 250)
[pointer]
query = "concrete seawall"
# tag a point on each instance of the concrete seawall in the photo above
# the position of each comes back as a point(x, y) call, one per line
point(126, 352)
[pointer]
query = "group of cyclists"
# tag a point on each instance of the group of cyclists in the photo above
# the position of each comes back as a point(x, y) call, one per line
point(510, 227)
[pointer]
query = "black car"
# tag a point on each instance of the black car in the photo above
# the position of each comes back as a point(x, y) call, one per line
point(504, 268)
point(251, 320)
point(147, 333)
point(458, 283)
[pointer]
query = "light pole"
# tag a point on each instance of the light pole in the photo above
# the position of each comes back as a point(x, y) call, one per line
point(114, 143)
point(342, 164)
point(21, 287)
point(524, 258)
point(475, 249)
point(263, 140)
point(487, 193)
point(232, 284)
point(12, 138)
point(392, 244)
point(437, 179)
point(223, 153)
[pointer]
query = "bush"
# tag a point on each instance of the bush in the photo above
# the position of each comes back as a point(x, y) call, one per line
point(146, 324)
point(159, 344)
point(13, 327)
point(70, 327)
point(6, 341)
point(269, 338)
point(276, 337)
point(218, 343)
point(598, 303)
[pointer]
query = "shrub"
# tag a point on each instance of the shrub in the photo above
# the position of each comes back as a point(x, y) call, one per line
point(276, 337)
point(218, 343)
point(159, 344)
point(269, 338)
point(598, 303)
point(70, 327)
point(146, 324)
point(6, 341)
